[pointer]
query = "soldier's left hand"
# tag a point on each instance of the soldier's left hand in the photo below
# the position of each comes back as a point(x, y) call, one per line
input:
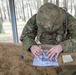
point(57, 49)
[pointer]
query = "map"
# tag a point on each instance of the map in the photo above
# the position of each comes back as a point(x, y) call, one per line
point(44, 61)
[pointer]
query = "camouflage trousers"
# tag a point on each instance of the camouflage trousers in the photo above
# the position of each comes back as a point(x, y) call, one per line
point(66, 70)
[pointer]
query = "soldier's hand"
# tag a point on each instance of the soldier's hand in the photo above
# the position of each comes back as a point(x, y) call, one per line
point(57, 49)
point(36, 50)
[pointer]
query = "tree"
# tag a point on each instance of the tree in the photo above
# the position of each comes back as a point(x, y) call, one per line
point(45, 1)
point(74, 7)
point(38, 4)
point(30, 9)
point(3, 8)
point(71, 6)
point(24, 18)
point(1, 26)
point(7, 4)
point(51, 1)
point(65, 4)
point(57, 2)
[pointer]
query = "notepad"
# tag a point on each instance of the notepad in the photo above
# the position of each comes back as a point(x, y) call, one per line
point(67, 58)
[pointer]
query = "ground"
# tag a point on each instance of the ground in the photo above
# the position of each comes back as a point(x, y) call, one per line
point(12, 64)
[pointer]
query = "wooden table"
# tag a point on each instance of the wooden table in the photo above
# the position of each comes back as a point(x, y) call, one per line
point(70, 63)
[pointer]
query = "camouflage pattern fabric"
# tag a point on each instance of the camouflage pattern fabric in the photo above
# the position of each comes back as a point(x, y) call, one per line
point(50, 28)
point(29, 33)
point(49, 17)
point(66, 70)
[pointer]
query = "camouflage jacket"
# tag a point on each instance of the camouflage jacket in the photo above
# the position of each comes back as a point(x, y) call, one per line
point(66, 70)
point(68, 39)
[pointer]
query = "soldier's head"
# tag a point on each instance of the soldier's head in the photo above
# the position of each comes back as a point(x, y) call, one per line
point(49, 17)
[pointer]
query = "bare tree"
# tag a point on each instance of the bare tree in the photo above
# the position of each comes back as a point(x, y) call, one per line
point(7, 4)
point(45, 1)
point(71, 6)
point(57, 2)
point(38, 4)
point(1, 25)
point(54, 1)
point(24, 18)
point(30, 9)
point(51, 1)
point(65, 4)
point(1, 15)
point(3, 8)
point(74, 7)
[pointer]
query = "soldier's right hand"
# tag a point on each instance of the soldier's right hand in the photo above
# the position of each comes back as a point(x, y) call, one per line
point(36, 50)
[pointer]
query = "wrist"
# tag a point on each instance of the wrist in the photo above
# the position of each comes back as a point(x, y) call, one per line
point(60, 47)
point(32, 46)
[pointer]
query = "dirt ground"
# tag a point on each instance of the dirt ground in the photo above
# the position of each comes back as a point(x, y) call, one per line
point(12, 64)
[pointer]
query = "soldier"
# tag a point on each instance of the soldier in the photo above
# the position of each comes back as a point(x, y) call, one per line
point(53, 26)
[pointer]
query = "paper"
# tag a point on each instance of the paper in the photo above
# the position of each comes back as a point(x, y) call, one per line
point(44, 61)
point(67, 58)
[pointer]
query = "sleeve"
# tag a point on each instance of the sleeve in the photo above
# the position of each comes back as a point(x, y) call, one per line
point(69, 45)
point(29, 33)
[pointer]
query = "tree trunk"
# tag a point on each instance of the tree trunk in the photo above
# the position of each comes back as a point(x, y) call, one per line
point(1, 26)
point(51, 1)
point(24, 18)
point(3, 8)
point(30, 9)
point(75, 7)
point(45, 1)
point(8, 10)
point(57, 2)
point(38, 4)
point(71, 6)
point(65, 4)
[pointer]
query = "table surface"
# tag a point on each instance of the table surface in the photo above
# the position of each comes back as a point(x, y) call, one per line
point(70, 63)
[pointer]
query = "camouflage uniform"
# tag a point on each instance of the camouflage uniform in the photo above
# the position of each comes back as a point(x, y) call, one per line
point(66, 70)
point(52, 25)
